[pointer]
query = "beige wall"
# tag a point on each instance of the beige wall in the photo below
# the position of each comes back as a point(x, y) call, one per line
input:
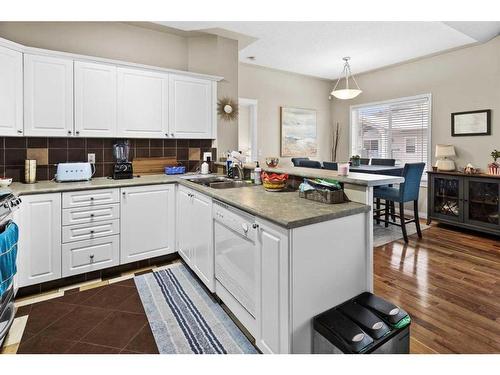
point(112, 40)
point(217, 55)
point(274, 89)
point(461, 80)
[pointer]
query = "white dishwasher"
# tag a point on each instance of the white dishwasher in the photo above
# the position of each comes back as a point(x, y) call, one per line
point(235, 233)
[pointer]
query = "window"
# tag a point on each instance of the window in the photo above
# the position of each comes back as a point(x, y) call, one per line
point(395, 129)
point(411, 145)
point(371, 147)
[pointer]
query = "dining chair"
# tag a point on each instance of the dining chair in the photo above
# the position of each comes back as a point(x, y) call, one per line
point(309, 164)
point(388, 162)
point(330, 165)
point(296, 161)
point(406, 192)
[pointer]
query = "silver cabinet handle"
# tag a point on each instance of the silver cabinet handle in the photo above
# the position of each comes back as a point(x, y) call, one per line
point(19, 131)
point(172, 134)
point(69, 131)
point(166, 134)
point(77, 132)
point(91, 258)
point(255, 225)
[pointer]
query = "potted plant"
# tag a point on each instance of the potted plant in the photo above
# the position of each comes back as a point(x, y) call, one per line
point(356, 160)
point(494, 168)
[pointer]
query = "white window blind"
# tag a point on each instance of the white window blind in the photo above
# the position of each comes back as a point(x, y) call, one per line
point(401, 128)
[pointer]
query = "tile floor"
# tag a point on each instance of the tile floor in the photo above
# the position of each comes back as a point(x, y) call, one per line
point(100, 316)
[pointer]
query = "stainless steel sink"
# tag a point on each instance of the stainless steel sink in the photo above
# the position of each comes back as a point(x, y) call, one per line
point(229, 184)
point(219, 182)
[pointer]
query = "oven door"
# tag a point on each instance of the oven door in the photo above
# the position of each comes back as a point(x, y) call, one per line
point(235, 257)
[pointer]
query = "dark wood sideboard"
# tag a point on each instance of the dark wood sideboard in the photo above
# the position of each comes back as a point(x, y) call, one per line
point(464, 200)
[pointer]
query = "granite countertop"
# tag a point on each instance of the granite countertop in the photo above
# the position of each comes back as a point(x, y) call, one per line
point(353, 178)
point(96, 183)
point(285, 209)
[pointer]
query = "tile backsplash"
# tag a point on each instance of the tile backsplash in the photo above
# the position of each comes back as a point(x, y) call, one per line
point(50, 151)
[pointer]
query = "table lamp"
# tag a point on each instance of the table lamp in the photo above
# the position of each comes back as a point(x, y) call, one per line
point(443, 152)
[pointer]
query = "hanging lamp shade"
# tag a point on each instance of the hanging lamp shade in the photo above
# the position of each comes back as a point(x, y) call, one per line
point(346, 92)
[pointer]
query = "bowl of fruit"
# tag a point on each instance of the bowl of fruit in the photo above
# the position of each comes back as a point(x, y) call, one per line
point(274, 181)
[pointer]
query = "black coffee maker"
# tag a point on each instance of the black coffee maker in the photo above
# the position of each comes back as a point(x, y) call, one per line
point(123, 167)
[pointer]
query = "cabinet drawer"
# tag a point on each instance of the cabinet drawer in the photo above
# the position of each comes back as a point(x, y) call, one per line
point(95, 214)
point(90, 198)
point(86, 256)
point(87, 231)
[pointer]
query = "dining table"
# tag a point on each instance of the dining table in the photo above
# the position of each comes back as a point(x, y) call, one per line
point(389, 170)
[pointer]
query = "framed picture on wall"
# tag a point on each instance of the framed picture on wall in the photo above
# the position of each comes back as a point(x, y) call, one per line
point(298, 132)
point(471, 123)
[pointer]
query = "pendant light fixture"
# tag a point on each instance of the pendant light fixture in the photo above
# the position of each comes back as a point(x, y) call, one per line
point(346, 93)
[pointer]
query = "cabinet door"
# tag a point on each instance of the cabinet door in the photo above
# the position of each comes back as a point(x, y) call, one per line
point(147, 222)
point(191, 107)
point(202, 243)
point(39, 257)
point(142, 104)
point(482, 202)
point(95, 99)
point(11, 92)
point(447, 198)
point(48, 96)
point(272, 290)
point(184, 221)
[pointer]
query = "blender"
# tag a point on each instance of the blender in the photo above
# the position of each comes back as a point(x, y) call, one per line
point(123, 167)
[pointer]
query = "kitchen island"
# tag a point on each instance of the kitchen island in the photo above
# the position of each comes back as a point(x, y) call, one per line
point(304, 257)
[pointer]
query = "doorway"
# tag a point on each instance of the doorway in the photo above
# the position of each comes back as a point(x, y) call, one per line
point(247, 129)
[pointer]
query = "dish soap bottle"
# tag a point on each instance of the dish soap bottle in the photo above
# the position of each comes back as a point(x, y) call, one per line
point(257, 171)
point(204, 166)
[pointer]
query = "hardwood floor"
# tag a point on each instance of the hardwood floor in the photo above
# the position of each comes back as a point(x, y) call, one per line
point(449, 283)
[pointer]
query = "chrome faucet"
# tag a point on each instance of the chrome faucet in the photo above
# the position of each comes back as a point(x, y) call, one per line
point(239, 168)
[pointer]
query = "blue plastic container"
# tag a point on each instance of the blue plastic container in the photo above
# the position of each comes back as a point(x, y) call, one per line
point(175, 170)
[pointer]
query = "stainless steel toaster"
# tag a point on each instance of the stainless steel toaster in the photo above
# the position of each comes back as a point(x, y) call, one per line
point(73, 172)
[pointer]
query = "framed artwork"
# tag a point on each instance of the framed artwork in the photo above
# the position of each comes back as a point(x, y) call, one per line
point(298, 132)
point(471, 123)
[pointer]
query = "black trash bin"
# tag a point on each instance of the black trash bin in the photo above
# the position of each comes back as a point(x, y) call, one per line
point(362, 325)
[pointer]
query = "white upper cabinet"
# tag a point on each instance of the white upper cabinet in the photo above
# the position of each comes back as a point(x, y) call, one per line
point(95, 99)
point(142, 104)
point(11, 92)
point(48, 96)
point(191, 107)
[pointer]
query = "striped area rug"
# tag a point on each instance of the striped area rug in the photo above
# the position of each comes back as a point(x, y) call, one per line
point(183, 317)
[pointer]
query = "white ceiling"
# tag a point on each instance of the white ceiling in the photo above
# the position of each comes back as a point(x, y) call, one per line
point(317, 48)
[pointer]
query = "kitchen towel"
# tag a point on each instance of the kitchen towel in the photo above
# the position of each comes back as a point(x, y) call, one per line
point(8, 253)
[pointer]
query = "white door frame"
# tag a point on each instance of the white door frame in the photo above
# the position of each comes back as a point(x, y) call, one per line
point(252, 105)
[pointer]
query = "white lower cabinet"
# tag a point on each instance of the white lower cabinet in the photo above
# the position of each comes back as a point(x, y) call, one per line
point(147, 222)
point(272, 289)
point(195, 233)
point(90, 255)
point(39, 256)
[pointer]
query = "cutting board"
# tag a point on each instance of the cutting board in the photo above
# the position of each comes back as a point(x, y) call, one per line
point(145, 166)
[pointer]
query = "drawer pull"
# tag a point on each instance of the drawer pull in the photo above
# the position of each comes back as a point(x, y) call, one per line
point(91, 258)
point(91, 198)
point(91, 215)
point(92, 232)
